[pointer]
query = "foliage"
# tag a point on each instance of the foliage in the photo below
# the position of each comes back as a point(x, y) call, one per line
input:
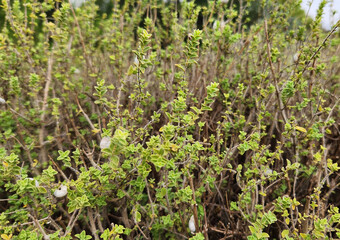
point(163, 111)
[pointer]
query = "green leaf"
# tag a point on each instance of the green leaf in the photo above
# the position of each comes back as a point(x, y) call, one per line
point(180, 66)
point(233, 206)
point(138, 216)
point(132, 70)
point(198, 236)
point(158, 161)
point(253, 230)
point(301, 129)
point(285, 233)
point(83, 236)
point(262, 235)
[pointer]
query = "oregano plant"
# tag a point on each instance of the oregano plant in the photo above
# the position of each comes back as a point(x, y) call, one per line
point(168, 119)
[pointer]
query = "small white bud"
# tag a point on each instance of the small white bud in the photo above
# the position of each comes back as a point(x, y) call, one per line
point(136, 60)
point(222, 25)
point(219, 25)
point(60, 192)
point(192, 224)
point(35, 182)
point(215, 25)
point(296, 57)
point(268, 172)
point(105, 142)
point(2, 101)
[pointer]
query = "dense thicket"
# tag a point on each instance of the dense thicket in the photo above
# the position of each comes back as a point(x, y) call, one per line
point(168, 120)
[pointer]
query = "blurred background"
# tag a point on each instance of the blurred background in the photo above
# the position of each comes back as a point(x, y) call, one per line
point(331, 16)
point(332, 12)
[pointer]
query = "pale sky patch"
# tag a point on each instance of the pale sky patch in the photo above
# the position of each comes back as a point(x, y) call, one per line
point(77, 3)
point(328, 19)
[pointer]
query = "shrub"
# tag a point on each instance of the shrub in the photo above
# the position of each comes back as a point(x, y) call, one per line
point(161, 116)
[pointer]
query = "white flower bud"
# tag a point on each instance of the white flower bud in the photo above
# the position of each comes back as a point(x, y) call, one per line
point(268, 172)
point(60, 192)
point(215, 25)
point(192, 224)
point(36, 181)
point(219, 25)
point(105, 142)
point(136, 60)
point(2, 101)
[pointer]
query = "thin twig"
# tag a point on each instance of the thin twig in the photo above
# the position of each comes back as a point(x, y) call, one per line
point(85, 115)
point(141, 231)
point(151, 203)
point(87, 59)
point(44, 105)
point(72, 221)
point(92, 223)
point(321, 45)
point(37, 224)
point(20, 115)
point(194, 200)
point(59, 170)
point(283, 111)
